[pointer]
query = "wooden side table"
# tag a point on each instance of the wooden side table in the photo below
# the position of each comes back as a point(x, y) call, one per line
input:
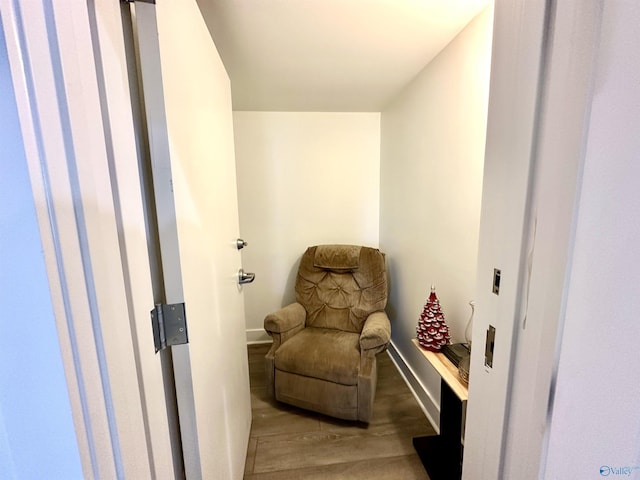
point(441, 454)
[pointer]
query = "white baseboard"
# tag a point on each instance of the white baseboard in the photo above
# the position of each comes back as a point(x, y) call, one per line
point(257, 335)
point(429, 405)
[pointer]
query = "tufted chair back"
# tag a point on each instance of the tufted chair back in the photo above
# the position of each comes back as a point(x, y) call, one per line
point(340, 285)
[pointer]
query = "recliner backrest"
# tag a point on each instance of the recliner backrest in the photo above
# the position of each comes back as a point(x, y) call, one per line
point(341, 285)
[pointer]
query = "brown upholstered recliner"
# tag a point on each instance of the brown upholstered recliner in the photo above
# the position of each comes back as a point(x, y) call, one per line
point(324, 349)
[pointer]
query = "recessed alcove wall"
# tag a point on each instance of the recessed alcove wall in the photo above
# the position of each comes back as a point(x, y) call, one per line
point(432, 158)
point(304, 178)
point(408, 179)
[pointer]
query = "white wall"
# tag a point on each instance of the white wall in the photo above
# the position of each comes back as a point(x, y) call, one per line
point(595, 421)
point(303, 179)
point(432, 155)
point(37, 436)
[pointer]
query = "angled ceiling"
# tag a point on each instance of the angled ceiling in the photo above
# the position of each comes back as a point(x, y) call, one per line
point(329, 55)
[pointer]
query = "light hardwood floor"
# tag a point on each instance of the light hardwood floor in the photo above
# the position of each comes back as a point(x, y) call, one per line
point(289, 443)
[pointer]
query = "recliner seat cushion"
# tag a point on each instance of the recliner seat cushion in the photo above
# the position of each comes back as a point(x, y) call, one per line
point(331, 355)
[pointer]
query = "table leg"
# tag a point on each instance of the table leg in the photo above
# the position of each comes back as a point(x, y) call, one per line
point(441, 454)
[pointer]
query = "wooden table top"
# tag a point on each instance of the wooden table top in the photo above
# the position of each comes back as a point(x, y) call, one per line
point(447, 370)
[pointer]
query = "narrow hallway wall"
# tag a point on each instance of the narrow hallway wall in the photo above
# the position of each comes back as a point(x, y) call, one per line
point(594, 424)
point(432, 155)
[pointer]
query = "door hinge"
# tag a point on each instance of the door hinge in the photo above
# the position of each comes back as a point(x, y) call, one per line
point(169, 325)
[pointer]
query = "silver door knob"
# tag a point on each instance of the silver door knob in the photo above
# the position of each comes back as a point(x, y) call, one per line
point(240, 244)
point(245, 277)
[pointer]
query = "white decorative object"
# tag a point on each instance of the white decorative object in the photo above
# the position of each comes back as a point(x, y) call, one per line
point(469, 328)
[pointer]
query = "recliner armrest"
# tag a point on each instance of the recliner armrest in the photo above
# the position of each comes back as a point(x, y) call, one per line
point(281, 326)
point(376, 333)
point(287, 318)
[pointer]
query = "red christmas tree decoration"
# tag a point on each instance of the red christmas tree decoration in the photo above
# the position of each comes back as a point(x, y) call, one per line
point(432, 331)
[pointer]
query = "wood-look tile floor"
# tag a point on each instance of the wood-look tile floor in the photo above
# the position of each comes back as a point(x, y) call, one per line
point(288, 443)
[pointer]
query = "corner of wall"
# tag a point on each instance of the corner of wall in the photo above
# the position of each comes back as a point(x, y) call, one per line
point(432, 159)
point(257, 335)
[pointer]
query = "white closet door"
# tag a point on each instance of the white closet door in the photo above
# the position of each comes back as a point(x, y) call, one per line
point(188, 103)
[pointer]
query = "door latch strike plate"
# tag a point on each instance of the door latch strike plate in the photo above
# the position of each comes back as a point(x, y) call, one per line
point(496, 281)
point(169, 324)
point(488, 346)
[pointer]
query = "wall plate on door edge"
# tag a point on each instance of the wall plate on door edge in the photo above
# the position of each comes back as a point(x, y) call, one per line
point(488, 346)
point(496, 281)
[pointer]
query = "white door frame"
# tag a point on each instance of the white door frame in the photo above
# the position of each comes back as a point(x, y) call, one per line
point(560, 145)
point(541, 91)
point(517, 53)
point(78, 135)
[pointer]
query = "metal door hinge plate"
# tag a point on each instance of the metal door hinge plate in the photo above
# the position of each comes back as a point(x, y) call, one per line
point(169, 325)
